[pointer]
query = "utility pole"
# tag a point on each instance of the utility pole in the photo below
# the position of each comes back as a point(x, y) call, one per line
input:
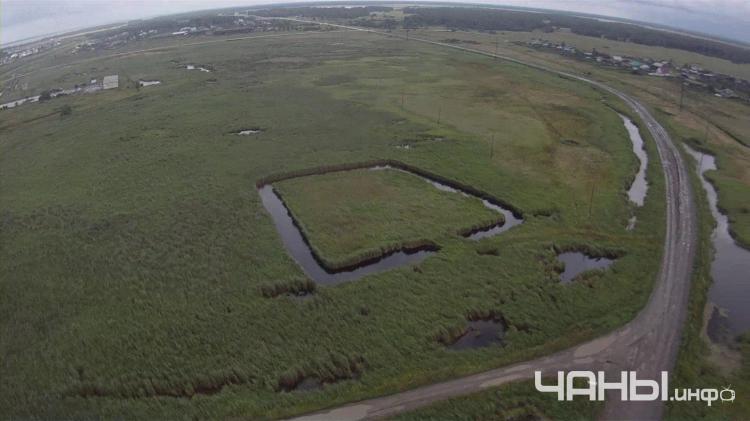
point(440, 110)
point(591, 199)
point(402, 100)
point(705, 136)
point(497, 45)
point(682, 92)
point(492, 146)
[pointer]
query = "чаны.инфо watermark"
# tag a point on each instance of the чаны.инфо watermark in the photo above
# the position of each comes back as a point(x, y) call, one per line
point(631, 388)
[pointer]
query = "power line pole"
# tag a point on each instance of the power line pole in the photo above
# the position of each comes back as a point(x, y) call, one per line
point(682, 92)
point(591, 199)
point(705, 136)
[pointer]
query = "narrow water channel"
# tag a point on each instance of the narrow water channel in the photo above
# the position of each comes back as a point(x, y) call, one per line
point(511, 219)
point(298, 247)
point(639, 186)
point(730, 269)
point(637, 191)
point(301, 252)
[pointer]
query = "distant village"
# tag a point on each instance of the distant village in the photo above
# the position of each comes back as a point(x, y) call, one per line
point(94, 85)
point(11, 54)
point(721, 85)
point(221, 24)
point(153, 29)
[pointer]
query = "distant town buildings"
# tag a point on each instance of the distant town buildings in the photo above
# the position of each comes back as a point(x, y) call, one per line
point(721, 85)
point(11, 54)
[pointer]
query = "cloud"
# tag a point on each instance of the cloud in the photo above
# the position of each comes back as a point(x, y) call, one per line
point(733, 8)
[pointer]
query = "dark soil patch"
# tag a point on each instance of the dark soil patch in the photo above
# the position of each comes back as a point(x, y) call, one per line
point(294, 288)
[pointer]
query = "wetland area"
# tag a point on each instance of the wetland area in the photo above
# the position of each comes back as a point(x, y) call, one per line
point(729, 294)
point(299, 248)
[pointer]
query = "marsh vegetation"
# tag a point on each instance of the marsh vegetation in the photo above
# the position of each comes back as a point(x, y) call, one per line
point(139, 266)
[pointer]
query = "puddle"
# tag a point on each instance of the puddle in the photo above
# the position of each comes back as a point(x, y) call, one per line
point(194, 67)
point(308, 384)
point(637, 191)
point(631, 223)
point(298, 246)
point(302, 384)
point(301, 252)
point(149, 82)
point(577, 263)
point(730, 290)
point(248, 132)
point(480, 334)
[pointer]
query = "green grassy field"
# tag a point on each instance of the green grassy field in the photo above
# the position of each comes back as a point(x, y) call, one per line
point(718, 125)
point(135, 247)
point(348, 214)
point(715, 125)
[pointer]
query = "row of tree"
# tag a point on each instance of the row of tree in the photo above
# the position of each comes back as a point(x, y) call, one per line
point(323, 12)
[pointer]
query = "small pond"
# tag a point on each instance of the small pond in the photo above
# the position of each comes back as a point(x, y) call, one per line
point(248, 132)
point(194, 67)
point(480, 334)
point(577, 263)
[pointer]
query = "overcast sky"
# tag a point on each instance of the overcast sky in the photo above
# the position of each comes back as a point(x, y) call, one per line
point(20, 19)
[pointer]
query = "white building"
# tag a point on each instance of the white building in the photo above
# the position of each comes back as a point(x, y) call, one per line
point(111, 82)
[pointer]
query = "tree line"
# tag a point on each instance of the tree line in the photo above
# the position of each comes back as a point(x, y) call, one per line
point(507, 20)
point(323, 12)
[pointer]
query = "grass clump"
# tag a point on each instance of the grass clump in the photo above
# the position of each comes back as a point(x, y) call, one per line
point(134, 245)
point(298, 287)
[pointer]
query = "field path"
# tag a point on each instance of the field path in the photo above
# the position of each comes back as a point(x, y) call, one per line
point(648, 344)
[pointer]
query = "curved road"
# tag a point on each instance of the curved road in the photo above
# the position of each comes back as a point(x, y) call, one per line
point(648, 344)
